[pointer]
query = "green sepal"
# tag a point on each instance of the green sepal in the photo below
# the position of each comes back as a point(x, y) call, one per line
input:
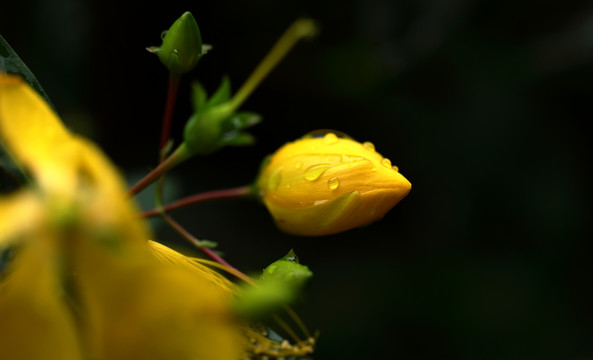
point(214, 123)
point(222, 94)
point(198, 95)
point(241, 120)
point(237, 139)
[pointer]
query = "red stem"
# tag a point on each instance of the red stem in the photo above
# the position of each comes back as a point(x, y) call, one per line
point(178, 156)
point(207, 251)
point(169, 109)
point(202, 197)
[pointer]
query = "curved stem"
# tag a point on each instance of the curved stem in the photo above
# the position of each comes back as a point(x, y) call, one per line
point(242, 191)
point(180, 155)
point(298, 30)
point(207, 251)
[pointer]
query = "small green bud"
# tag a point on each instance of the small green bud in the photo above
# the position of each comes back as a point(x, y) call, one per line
point(182, 45)
point(214, 123)
point(202, 132)
point(288, 271)
point(281, 283)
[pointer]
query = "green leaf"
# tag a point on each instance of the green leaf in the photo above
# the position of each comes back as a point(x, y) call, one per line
point(11, 63)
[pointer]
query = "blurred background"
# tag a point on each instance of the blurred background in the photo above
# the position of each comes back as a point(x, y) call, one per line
point(484, 107)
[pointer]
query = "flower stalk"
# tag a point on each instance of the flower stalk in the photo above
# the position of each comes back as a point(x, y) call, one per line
point(300, 29)
point(238, 192)
point(169, 110)
point(179, 156)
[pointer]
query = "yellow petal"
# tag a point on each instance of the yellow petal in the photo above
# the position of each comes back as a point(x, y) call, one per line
point(36, 323)
point(34, 136)
point(168, 313)
point(308, 185)
point(18, 212)
point(166, 255)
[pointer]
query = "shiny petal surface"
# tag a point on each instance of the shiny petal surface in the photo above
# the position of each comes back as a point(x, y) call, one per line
point(308, 185)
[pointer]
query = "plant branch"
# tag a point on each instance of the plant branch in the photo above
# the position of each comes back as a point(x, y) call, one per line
point(298, 30)
point(238, 192)
point(207, 251)
point(180, 155)
point(169, 110)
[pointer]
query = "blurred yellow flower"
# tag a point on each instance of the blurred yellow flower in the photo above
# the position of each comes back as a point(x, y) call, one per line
point(84, 281)
point(325, 185)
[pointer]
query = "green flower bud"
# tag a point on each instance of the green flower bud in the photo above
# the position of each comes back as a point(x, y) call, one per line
point(287, 270)
point(281, 283)
point(182, 45)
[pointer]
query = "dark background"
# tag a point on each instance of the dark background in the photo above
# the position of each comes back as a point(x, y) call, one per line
point(484, 106)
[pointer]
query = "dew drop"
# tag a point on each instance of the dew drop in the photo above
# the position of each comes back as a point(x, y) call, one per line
point(395, 168)
point(274, 179)
point(333, 183)
point(386, 162)
point(298, 165)
point(272, 269)
point(352, 158)
point(314, 172)
point(330, 138)
point(369, 145)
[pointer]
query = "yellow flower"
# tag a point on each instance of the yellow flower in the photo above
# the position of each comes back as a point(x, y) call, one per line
point(84, 281)
point(325, 185)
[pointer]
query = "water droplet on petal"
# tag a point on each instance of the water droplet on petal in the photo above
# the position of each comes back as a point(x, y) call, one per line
point(352, 158)
point(298, 165)
point(395, 168)
point(369, 145)
point(274, 179)
point(386, 162)
point(314, 172)
point(333, 183)
point(374, 168)
point(330, 138)
point(272, 269)
point(163, 34)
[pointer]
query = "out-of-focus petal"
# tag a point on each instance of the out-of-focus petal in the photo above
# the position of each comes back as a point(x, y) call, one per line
point(36, 322)
point(19, 213)
point(34, 135)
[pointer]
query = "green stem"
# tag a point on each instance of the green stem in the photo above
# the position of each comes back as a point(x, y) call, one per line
point(238, 192)
point(298, 30)
point(180, 155)
point(295, 317)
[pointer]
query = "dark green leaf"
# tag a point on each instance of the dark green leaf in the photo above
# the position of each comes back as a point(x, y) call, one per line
point(11, 63)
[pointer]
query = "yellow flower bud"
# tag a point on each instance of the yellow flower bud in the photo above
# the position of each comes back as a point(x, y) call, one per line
point(325, 185)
